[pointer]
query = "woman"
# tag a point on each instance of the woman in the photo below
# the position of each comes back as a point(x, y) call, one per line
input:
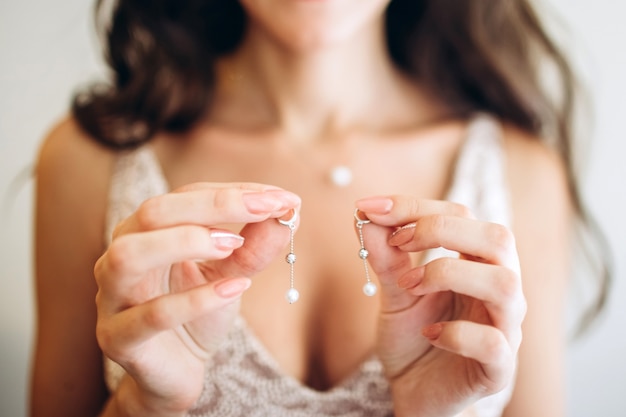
point(228, 122)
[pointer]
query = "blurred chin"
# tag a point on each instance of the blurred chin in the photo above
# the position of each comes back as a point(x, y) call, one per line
point(303, 36)
point(312, 24)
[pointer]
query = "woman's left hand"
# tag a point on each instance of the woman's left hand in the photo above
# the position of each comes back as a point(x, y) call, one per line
point(449, 330)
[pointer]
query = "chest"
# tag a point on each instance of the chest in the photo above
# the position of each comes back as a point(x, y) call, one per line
point(331, 330)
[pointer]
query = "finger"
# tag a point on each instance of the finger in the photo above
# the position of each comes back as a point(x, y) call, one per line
point(398, 210)
point(499, 288)
point(120, 333)
point(129, 257)
point(184, 276)
point(490, 242)
point(209, 206)
point(251, 186)
point(387, 263)
point(264, 242)
point(482, 343)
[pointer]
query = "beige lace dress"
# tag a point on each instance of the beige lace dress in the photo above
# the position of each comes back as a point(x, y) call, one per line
point(243, 379)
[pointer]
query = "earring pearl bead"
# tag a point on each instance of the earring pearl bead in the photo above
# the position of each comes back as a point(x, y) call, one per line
point(292, 295)
point(370, 289)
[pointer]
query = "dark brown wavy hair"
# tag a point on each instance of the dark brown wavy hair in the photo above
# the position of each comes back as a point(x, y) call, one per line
point(477, 55)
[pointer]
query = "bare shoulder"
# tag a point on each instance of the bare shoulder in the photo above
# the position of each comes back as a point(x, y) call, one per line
point(536, 173)
point(72, 174)
point(541, 205)
point(68, 148)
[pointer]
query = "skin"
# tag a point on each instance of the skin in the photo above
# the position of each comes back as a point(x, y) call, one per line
point(309, 104)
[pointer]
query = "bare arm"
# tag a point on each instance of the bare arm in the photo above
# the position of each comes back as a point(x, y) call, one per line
point(156, 247)
point(542, 218)
point(72, 183)
point(71, 198)
point(72, 187)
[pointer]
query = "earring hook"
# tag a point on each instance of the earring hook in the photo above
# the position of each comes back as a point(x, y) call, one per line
point(291, 223)
point(359, 221)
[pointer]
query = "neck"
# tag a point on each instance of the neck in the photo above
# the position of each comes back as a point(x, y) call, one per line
point(317, 92)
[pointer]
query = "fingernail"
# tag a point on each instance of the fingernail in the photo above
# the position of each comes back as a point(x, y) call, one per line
point(375, 205)
point(270, 201)
point(410, 280)
point(290, 199)
point(226, 240)
point(232, 288)
point(402, 235)
point(258, 203)
point(433, 331)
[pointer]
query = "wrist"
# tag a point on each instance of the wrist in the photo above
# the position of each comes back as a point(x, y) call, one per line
point(412, 400)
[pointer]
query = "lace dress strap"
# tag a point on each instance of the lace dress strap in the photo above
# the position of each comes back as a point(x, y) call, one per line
point(137, 176)
point(479, 180)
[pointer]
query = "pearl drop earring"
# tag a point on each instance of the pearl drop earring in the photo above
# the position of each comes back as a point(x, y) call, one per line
point(369, 288)
point(292, 294)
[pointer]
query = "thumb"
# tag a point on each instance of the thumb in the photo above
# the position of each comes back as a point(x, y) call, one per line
point(264, 241)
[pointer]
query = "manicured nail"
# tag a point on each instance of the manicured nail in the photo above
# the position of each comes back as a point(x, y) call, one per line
point(402, 235)
point(270, 201)
point(226, 240)
point(232, 288)
point(375, 205)
point(433, 331)
point(411, 280)
point(289, 199)
point(258, 203)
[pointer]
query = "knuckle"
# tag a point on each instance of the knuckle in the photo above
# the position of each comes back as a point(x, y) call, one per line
point(454, 340)
point(516, 338)
point(502, 240)
point(117, 230)
point(500, 383)
point(156, 316)
point(222, 198)
point(508, 285)
point(248, 261)
point(493, 348)
point(98, 299)
point(523, 307)
point(119, 255)
point(434, 224)
point(105, 338)
point(503, 379)
point(439, 268)
point(462, 210)
point(149, 213)
point(415, 208)
point(501, 236)
point(428, 229)
point(98, 270)
point(197, 300)
point(192, 238)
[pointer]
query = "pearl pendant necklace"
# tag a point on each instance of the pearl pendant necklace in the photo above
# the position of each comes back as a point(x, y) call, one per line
point(341, 176)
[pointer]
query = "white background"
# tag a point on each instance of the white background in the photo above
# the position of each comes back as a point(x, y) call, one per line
point(48, 48)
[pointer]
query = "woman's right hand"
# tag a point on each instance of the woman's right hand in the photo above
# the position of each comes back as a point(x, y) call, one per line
point(170, 282)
